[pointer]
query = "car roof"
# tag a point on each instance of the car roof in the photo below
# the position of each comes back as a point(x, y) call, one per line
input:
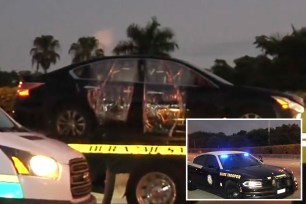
point(123, 57)
point(216, 153)
point(71, 66)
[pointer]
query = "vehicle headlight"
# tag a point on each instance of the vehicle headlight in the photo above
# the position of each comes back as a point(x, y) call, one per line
point(29, 164)
point(286, 103)
point(251, 184)
point(44, 166)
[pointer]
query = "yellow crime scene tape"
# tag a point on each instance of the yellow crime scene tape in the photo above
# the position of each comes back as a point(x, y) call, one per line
point(129, 149)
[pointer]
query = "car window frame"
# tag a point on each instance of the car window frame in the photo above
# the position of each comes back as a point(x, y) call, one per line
point(215, 161)
point(190, 69)
point(204, 156)
point(136, 59)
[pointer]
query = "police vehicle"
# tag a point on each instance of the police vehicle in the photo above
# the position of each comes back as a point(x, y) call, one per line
point(235, 174)
point(36, 169)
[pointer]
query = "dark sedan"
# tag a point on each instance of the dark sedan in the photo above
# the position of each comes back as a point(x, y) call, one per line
point(153, 95)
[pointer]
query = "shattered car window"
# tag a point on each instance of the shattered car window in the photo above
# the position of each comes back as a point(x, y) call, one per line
point(164, 101)
point(112, 98)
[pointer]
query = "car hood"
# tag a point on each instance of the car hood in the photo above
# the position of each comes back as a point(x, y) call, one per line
point(267, 92)
point(38, 144)
point(260, 172)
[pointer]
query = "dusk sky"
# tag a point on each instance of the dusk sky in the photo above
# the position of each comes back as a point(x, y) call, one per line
point(233, 126)
point(205, 29)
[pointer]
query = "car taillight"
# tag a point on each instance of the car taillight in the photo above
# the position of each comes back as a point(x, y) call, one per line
point(25, 87)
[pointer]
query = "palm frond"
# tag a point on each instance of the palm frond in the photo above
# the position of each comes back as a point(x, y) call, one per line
point(124, 47)
point(150, 39)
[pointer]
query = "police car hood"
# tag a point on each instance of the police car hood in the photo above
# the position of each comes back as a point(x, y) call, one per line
point(259, 172)
point(38, 144)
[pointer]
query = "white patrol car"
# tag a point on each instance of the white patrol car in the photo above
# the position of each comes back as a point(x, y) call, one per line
point(36, 169)
point(235, 174)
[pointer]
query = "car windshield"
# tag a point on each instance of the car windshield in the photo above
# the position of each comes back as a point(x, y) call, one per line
point(6, 124)
point(234, 161)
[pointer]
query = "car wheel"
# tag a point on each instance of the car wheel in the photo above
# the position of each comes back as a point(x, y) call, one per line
point(157, 186)
point(255, 113)
point(250, 115)
point(191, 186)
point(71, 122)
point(232, 190)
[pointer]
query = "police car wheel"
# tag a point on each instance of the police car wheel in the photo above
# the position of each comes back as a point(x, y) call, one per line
point(191, 186)
point(232, 190)
point(154, 187)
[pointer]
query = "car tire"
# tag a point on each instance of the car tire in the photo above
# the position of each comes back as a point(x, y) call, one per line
point(254, 113)
point(143, 185)
point(71, 122)
point(191, 186)
point(232, 190)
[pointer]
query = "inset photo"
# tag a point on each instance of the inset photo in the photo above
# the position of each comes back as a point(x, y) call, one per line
point(243, 159)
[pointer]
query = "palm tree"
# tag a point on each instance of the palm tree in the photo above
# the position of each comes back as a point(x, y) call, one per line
point(44, 52)
point(86, 48)
point(150, 40)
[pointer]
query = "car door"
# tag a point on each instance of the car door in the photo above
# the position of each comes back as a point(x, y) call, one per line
point(164, 108)
point(212, 178)
point(207, 175)
point(203, 97)
point(199, 174)
point(114, 93)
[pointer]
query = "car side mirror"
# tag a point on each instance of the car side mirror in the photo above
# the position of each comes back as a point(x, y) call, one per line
point(213, 167)
point(260, 158)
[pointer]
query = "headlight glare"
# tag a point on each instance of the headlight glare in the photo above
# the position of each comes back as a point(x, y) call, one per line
point(286, 103)
point(44, 166)
point(252, 184)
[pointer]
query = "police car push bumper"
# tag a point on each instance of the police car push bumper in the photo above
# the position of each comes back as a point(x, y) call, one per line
point(279, 183)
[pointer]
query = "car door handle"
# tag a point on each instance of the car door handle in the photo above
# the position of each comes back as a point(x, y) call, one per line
point(154, 92)
point(91, 87)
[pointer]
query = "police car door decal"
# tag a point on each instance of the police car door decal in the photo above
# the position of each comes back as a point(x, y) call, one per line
point(209, 179)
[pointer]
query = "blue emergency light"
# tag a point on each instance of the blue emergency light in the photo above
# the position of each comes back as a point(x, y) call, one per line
point(224, 156)
point(246, 154)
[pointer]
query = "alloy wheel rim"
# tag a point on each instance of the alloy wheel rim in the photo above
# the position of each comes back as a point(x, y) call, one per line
point(156, 188)
point(71, 122)
point(233, 193)
point(250, 115)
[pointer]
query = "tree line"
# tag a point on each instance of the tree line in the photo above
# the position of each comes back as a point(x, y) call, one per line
point(282, 135)
point(150, 39)
point(281, 64)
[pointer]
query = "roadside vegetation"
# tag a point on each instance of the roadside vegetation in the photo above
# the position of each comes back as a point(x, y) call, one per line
point(284, 139)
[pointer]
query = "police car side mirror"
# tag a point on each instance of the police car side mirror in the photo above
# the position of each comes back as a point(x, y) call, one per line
point(213, 167)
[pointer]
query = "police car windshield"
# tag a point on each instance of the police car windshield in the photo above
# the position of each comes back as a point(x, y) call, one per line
point(7, 125)
point(234, 161)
